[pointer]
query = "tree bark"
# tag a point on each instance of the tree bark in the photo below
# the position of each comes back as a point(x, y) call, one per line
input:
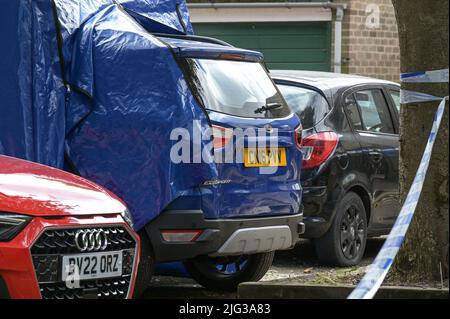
point(424, 34)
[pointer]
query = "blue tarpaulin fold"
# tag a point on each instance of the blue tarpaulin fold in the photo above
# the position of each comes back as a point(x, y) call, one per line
point(89, 80)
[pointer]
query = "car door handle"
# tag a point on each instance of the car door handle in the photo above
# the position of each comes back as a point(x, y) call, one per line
point(376, 156)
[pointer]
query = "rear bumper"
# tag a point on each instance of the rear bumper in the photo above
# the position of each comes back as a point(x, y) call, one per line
point(318, 211)
point(223, 237)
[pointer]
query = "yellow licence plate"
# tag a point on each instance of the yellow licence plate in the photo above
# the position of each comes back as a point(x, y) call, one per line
point(264, 157)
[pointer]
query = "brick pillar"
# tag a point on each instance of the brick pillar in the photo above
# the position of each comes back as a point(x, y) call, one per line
point(368, 49)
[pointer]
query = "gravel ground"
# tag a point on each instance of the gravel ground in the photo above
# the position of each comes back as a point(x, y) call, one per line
point(300, 263)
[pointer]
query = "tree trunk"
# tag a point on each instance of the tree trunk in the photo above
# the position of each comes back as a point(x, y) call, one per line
point(423, 32)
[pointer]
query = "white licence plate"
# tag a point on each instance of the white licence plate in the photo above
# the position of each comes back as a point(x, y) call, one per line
point(93, 265)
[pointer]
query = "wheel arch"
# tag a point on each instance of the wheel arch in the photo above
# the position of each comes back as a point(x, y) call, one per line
point(365, 197)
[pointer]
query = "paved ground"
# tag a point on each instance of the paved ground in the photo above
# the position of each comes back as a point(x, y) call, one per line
point(299, 262)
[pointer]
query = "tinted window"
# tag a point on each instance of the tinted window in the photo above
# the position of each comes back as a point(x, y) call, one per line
point(308, 104)
point(353, 114)
point(396, 97)
point(235, 87)
point(374, 111)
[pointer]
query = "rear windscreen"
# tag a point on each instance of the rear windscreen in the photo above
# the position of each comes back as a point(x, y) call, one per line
point(236, 87)
point(308, 104)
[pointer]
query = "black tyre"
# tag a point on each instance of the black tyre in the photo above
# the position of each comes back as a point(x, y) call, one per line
point(345, 242)
point(146, 266)
point(226, 273)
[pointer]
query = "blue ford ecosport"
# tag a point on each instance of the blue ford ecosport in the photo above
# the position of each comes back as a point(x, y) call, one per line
point(227, 229)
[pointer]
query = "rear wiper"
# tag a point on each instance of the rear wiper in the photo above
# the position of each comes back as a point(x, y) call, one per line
point(268, 107)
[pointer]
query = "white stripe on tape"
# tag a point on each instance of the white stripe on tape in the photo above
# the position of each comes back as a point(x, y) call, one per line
point(407, 97)
point(436, 76)
point(376, 273)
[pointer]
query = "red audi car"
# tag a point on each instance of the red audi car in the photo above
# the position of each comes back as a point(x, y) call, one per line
point(62, 236)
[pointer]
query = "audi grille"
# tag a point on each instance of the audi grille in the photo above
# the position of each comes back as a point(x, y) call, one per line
point(49, 249)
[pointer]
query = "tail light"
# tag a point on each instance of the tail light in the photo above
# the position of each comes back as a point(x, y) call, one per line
point(222, 136)
point(298, 136)
point(317, 148)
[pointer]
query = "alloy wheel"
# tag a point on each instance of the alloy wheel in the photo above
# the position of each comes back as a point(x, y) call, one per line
point(352, 232)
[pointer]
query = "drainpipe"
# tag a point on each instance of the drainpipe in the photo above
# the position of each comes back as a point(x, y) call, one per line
point(338, 40)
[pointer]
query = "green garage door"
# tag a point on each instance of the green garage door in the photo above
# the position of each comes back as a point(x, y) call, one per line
point(301, 46)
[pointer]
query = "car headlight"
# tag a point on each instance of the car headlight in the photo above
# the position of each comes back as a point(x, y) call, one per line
point(127, 216)
point(11, 225)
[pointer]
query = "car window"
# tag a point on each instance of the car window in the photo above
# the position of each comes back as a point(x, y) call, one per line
point(396, 97)
point(352, 112)
point(308, 104)
point(374, 111)
point(238, 88)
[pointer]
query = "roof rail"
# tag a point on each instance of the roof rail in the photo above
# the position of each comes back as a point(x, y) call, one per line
point(193, 38)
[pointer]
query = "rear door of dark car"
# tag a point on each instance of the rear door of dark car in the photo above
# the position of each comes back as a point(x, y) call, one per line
point(375, 123)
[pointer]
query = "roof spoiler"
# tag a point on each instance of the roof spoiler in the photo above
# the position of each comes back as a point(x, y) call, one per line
point(193, 38)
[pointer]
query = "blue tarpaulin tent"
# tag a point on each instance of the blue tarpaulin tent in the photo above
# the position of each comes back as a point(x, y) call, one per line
point(85, 85)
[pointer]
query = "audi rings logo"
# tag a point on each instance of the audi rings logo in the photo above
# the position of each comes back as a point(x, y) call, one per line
point(91, 239)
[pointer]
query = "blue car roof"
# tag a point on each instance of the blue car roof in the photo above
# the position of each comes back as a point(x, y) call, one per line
point(189, 48)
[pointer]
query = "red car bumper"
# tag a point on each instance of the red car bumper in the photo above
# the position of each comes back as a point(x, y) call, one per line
point(17, 266)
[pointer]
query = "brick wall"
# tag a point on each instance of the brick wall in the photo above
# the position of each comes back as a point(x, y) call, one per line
point(366, 51)
point(370, 51)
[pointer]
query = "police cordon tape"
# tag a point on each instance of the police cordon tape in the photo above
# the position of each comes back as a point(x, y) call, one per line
point(436, 76)
point(374, 277)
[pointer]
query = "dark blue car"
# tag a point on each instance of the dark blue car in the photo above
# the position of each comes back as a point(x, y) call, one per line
point(227, 229)
point(351, 149)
